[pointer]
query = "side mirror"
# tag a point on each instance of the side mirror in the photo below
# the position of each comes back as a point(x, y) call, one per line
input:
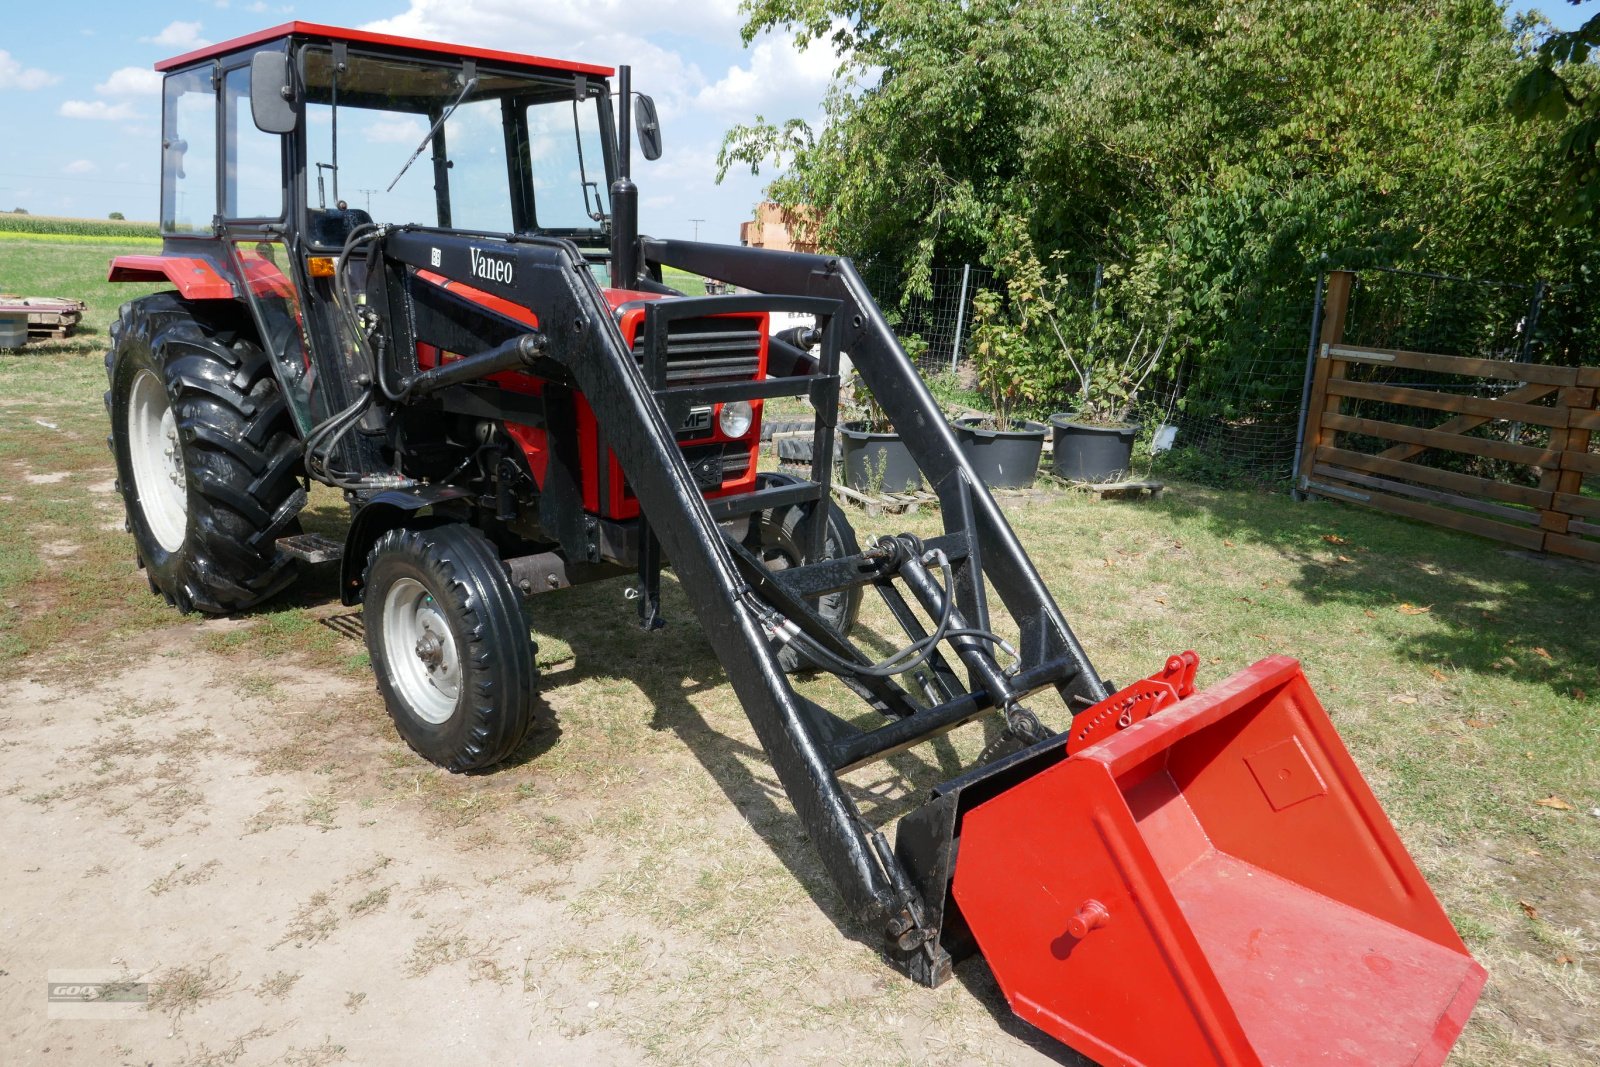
point(271, 93)
point(649, 127)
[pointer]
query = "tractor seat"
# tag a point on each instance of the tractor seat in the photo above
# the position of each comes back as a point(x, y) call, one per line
point(333, 226)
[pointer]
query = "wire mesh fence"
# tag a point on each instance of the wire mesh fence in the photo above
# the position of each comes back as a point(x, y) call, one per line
point(941, 316)
point(1244, 431)
point(1230, 407)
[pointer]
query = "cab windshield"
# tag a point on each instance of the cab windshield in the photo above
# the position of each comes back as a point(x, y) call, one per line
point(507, 152)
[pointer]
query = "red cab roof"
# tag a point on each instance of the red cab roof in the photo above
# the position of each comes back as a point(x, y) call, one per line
point(339, 33)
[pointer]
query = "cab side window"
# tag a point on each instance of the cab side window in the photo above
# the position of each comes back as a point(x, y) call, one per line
point(252, 178)
point(188, 152)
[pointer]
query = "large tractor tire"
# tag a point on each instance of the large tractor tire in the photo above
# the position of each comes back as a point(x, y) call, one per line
point(777, 537)
point(207, 459)
point(450, 645)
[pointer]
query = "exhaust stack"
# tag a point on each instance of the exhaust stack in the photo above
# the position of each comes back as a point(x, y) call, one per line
point(624, 194)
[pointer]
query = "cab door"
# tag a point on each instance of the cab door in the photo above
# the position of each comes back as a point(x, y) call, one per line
point(253, 175)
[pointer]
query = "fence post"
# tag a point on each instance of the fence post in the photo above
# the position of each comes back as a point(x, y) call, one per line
point(1305, 387)
point(1559, 481)
point(961, 315)
point(1530, 323)
point(1335, 306)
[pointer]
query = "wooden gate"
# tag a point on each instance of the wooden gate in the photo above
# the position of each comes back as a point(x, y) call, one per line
point(1497, 448)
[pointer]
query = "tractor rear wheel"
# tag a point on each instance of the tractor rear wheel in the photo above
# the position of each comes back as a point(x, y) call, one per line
point(778, 537)
point(450, 645)
point(207, 460)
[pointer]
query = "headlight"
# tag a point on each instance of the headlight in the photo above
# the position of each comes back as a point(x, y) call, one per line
point(735, 418)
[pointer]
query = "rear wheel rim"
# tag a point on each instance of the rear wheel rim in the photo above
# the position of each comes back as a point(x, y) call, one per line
point(157, 460)
point(424, 662)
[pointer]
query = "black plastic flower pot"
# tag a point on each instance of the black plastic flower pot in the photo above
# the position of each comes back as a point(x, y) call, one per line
point(1004, 459)
point(877, 462)
point(1085, 452)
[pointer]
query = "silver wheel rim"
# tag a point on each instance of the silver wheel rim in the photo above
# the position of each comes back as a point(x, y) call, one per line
point(157, 459)
point(423, 662)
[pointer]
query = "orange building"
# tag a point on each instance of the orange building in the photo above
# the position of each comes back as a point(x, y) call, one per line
point(780, 229)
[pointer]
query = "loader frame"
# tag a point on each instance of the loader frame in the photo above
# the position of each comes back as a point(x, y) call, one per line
point(904, 893)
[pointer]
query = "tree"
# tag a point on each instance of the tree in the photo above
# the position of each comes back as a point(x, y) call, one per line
point(117, 216)
point(1214, 153)
point(1560, 86)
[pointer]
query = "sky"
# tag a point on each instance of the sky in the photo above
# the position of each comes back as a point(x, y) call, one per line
point(80, 104)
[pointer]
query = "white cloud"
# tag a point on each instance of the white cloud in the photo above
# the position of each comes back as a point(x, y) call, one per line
point(180, 35)
point(671, 45)
point(97, 109)
point(394, 131)
point(130, 81)
point(13, 75)
point(778, 81)
point(78, 166)
point(565, 28)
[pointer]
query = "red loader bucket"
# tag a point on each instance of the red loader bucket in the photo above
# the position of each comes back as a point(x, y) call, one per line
point(1215, 884)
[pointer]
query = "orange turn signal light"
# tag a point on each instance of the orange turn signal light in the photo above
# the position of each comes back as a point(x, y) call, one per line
point(321, 266)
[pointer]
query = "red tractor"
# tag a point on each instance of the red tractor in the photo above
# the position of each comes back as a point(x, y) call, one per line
point(413, 272)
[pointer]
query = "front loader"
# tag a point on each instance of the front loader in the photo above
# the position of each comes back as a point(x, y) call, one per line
point(476, 346)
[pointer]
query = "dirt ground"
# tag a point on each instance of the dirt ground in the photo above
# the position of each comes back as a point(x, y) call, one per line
point(220, 810)
point(248, 835)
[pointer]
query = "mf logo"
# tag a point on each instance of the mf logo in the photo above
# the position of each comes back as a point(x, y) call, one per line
point(435, 257)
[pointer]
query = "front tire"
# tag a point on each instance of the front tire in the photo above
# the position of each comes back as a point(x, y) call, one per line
point(207, 460)
point(450, 645)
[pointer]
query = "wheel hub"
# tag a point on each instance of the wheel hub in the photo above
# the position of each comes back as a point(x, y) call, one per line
point(430, 650)
point(156, 456)
point(424, 662)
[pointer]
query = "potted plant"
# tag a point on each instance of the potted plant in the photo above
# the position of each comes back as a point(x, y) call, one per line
point(1093, 346)
point(1094, 443)
point(1003, 447)
point(874, 458)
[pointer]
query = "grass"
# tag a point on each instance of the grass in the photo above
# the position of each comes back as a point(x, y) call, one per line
point(177, 991)
point(1463, 677)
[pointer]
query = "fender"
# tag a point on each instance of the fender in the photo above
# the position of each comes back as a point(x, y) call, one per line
point(384, 512)
point(194, 278)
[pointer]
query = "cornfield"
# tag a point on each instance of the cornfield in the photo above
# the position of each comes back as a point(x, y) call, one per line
point(54, 228)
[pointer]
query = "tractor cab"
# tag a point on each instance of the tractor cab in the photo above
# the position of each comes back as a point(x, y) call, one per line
point(278, 146)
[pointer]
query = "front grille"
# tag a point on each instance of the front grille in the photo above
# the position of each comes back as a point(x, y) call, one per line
point(710, 349)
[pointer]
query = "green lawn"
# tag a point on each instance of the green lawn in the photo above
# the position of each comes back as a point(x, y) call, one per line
point(1464, 677)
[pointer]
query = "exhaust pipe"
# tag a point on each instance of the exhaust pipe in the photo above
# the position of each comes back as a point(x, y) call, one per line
point(624, 194)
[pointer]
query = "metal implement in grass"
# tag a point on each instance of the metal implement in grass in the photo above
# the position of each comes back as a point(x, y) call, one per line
point(1155, 875)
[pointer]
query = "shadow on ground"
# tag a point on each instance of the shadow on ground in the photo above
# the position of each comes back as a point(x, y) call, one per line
point(1497, 611)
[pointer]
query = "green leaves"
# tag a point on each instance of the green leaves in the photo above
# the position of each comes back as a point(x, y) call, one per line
point(1560, 85)
point(1211, 155)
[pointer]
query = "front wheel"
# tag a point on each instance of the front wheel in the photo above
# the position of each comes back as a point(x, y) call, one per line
point(778, 537)
point(450, 645)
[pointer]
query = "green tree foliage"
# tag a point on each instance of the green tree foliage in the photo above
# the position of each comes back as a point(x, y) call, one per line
point(1561, 87)
point(1211, 155)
